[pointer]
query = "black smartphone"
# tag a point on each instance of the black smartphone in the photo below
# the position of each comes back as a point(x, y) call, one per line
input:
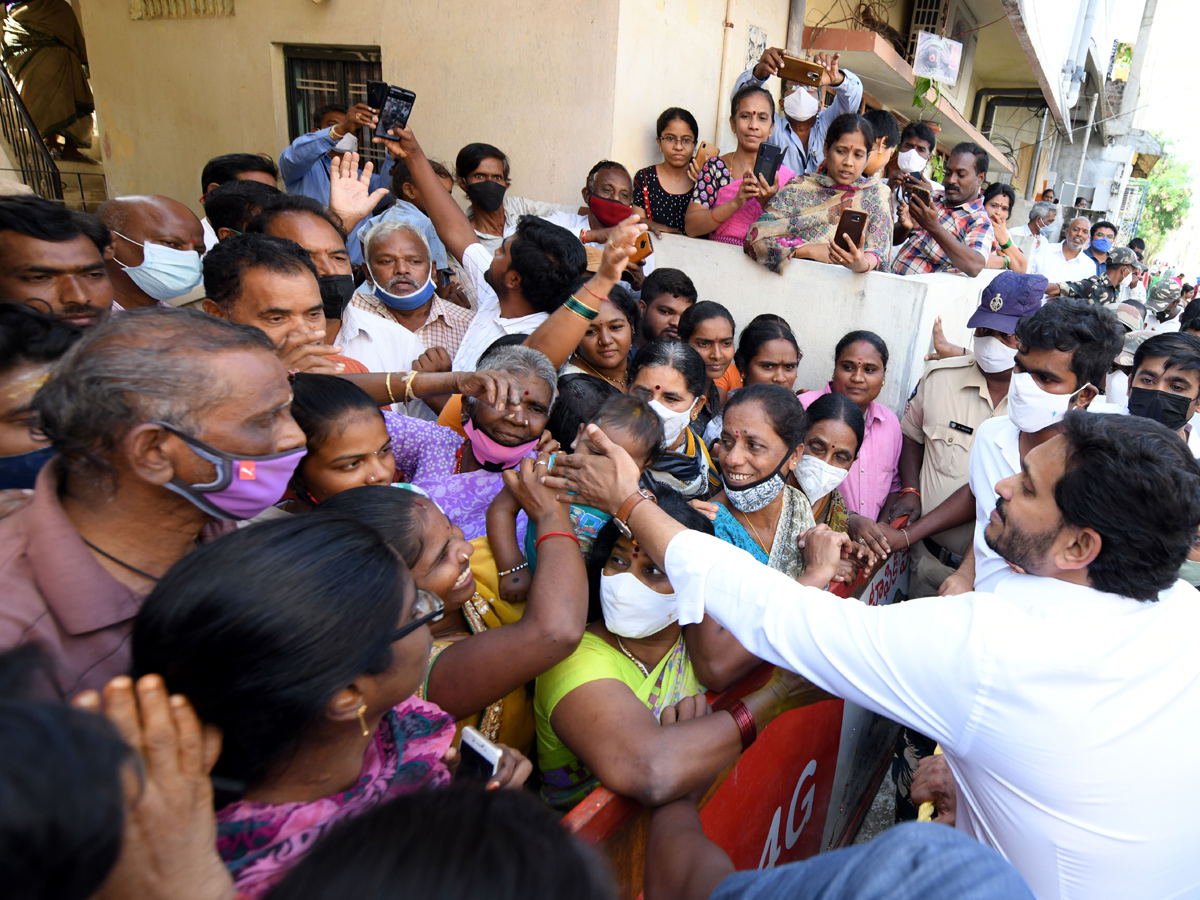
point(852, 223)
point(767, 162)
point(376, 94)
point(395, 110)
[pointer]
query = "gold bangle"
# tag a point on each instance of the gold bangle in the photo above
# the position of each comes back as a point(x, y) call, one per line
point(388, 384)
point(408, 394)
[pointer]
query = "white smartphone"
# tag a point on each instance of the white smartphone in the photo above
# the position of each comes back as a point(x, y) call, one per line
point(480, 758)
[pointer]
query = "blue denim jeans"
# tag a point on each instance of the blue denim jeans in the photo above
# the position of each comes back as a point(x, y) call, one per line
point(914, 861)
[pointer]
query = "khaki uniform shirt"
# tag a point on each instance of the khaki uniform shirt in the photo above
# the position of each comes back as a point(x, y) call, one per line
point(949, 405)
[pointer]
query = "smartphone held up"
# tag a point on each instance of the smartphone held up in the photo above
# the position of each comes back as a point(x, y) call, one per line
point(394, 104)
point(479, 757)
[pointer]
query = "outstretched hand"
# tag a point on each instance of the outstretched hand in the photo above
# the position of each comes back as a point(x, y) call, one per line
point(350, 194)
point(169, 848)
point(497, 389)
point(402, 143)
point(604, 479)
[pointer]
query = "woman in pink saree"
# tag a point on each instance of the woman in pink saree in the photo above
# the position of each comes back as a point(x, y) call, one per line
point(728, 198)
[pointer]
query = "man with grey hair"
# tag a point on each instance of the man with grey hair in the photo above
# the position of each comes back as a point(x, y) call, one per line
point(1041, 219)
point(1066, 261)
point(395, 320)
point(165, 422)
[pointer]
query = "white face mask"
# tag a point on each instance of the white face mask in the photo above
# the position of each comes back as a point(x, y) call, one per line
point(817, 477)
point(1030, 408)
point(911, 161)
point(673, 422)
point(633, 610)
point(800, 105)
point(165, 273)
point(347, 144)
point(993, 355)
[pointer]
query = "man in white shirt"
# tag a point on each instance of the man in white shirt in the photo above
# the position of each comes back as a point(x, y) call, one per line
point(1066, 261)
point(1041, 218)
point(518, 286)
point(1040, 693)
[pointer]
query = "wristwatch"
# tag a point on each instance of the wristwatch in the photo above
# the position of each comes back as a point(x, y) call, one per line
point(622, 517)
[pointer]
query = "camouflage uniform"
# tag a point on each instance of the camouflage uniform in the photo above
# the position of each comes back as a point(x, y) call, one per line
point(1098, 290)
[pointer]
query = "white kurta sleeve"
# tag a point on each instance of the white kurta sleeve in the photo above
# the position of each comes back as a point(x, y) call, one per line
point(921, 662)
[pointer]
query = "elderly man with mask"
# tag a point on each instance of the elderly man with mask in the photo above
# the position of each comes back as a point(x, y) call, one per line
point(1041, 219)
point(395, 315)
point(1102, 290)
point(157, 244)
point(52, 259)
point(304, 165)
point(1038, 690)
point(951, 233)
point(1065, 261)
point(166, 423)
point(801, 128)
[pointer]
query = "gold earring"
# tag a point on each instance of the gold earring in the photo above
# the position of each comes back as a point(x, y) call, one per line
point(362, 720)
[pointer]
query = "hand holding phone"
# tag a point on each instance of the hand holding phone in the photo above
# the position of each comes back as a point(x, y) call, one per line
point(852, 224)
point(479, 757)
point(704, 152)
point(801, 71)
point(396, 108)
point(768, 160)
point(644, 248)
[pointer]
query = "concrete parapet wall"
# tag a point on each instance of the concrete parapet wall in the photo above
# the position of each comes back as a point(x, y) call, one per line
point(824, 302)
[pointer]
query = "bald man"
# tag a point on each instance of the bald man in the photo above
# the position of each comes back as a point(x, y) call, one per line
point(157, 244)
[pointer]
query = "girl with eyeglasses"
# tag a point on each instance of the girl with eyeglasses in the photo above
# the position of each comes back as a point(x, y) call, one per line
point(664, 190)
point(311, 683)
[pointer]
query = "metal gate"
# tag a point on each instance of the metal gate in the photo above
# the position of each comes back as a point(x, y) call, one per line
point(1132, 204)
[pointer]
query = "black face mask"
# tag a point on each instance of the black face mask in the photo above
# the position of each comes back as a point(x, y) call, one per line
point(1163, 407)
point(336, 291)
point(486, 195)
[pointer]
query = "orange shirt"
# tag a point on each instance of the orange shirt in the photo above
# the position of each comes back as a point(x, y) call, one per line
point(731, 380)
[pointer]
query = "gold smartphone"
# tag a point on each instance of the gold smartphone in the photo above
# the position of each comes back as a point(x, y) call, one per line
point(644, 248)
point(704, 152)
point(801, 71)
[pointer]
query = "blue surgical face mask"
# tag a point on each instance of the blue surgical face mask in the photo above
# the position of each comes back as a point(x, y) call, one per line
point(1102, 244)
point(417, 298)
point(21, 470)
point(165, 273)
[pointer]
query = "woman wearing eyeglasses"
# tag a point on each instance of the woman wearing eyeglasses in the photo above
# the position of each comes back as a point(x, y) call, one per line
point(310, 684)
point(665, 190)
point(486, 650)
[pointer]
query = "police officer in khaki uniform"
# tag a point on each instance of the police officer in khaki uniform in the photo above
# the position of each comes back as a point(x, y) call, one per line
point(953, 398)
point(1102, 290)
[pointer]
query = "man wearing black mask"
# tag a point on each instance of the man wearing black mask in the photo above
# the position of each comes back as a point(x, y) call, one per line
point(319, 231)
point(482, 171)
point(1165, 385)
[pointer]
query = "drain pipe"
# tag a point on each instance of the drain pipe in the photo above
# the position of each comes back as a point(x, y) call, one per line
point(795, 28)
point(1030, 184)
point(1077, 67)
point(726, 30)
point(1084, 142)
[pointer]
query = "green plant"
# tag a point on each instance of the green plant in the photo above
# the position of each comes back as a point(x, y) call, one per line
point(920, 91)
point(1168, 199)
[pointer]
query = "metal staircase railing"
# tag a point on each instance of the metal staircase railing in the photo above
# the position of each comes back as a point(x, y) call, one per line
point(36, 165)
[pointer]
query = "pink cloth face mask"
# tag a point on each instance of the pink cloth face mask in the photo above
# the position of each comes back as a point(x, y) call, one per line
point(493, 455)
point(244, 486)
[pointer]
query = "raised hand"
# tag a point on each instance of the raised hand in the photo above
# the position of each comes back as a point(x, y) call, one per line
point(832, 74)
point(350, 194)
point(769, 63)
point(619, 247)
point(603, 480)
point(497, 389)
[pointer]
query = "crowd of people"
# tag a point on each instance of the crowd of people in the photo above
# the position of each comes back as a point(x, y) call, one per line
point(297, 492)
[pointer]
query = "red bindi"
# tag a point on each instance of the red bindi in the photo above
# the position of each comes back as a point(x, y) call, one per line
point(527, 393)
point(656, 387)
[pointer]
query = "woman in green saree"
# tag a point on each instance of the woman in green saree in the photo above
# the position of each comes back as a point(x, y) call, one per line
point(627, 709)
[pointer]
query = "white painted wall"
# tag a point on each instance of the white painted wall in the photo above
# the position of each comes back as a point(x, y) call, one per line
point(824, 302)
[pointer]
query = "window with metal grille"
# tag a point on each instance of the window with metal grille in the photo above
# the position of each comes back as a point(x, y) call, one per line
point(927, 15)
point(318, 76)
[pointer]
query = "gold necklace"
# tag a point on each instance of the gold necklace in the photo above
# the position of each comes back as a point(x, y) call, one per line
point(756, 537)
point(619, 384)
point(633, 659)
